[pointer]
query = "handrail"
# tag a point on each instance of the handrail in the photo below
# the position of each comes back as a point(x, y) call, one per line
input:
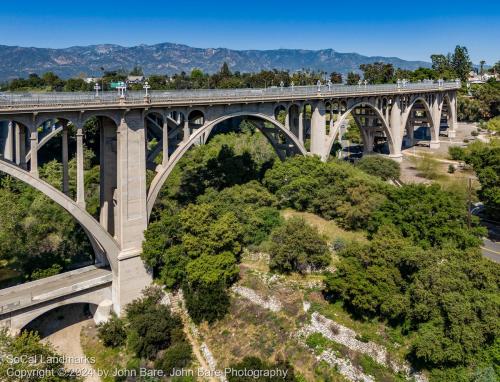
point(11, 100)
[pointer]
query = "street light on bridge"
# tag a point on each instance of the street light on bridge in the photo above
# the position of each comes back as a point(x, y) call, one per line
point(146, 87)
point(97, 88)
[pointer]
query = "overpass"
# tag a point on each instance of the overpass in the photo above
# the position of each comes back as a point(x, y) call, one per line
point(155, 130)
point(20, 304)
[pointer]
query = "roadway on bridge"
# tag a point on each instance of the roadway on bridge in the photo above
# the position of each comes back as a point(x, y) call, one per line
point(23, 295)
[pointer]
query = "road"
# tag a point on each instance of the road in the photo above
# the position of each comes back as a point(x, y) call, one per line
point(34, 292)
point(491, 244)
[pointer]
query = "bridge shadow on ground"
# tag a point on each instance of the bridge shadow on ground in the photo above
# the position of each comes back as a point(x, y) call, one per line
point(60, 318)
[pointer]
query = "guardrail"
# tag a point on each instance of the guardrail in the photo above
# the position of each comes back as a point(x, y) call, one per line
point(11, 100)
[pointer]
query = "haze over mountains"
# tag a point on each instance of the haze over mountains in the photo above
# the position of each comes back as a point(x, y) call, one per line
point(168, 58)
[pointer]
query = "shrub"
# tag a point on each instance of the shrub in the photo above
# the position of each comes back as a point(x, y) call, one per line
point(451, 169)
point(494, 124)
point(177, 356)
point(112, 333)
point(474, 133)
point(47, 272)
point(426, 166)
point(456, 153)
point(151, 324)
point(384, 168)
point(297, 247)
point(206, 302)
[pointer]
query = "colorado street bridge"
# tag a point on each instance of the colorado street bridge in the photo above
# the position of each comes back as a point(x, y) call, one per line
point(154, 130)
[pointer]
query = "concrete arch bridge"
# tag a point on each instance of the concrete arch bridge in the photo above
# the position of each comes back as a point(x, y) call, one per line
point(139, 131)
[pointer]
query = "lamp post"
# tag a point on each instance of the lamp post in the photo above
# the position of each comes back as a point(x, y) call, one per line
point(97, 88)
point(329, 85)
point(146, 87)
point(121, 90)
point(281, 85)
point(319, 86)
point(292, 85)
point(398, 82)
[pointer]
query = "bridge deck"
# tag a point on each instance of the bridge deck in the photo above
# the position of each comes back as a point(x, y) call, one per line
point(60, 100)
point(31, 293)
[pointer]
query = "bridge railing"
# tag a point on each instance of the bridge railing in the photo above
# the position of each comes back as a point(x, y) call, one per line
point(8, 99)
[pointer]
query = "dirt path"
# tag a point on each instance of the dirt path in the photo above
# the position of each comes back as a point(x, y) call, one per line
point(67, 339)
point(194, 341)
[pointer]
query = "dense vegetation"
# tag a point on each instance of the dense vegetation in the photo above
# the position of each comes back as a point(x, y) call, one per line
point(37, 237)
point(445, 300)
point(420, 272)
point(150, 332)
point(485, 160)
point(25, 359)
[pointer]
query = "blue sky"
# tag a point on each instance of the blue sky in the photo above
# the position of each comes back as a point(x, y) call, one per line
point(411, 30)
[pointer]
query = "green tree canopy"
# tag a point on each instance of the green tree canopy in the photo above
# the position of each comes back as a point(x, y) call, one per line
point(297, 247)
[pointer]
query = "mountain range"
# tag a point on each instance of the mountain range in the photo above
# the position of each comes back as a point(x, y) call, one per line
point(169, 58)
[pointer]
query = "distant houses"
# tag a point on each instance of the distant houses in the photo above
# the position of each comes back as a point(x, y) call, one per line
point(476, 78)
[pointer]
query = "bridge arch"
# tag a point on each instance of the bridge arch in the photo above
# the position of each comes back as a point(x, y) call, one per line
point(163, 174)
point(434, 130)
point(336, 128)
point(89, 224)
point(37, 321)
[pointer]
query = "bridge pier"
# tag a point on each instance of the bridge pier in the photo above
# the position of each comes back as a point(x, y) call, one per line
point(65, 180)
point(131, 277)
point(318, 130)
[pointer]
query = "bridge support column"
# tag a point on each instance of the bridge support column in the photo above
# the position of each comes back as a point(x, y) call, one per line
point(287, 119)
point(65, 167)
point(165, 141)
point(34, 153)
point(107, 174)
point(131, 276)
point(368, 140)
point(318, 130)
point(80, 178)
point(186, 134)
point(452, 119)
point(20, 146)
point(396, 131)
point(301, 124)
point(8, 152)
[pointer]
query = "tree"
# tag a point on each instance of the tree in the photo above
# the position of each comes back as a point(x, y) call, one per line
point(353, 78)
point(137, 71)
point(26, 359)
point(461, 62)
point(225, 71)
point(112, 332)
point(377, 73)
point(177, 356)
point(379, 166)
point(485, 159)
point(441, 298)
point(428, 216)
point(208, 302)
point(151, 326)
point(336, 77)
point(297, 247)
point(481, 67)
point(443, 66)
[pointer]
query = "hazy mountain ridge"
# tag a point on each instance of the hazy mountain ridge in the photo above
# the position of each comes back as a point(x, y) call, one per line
point(169, 58)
